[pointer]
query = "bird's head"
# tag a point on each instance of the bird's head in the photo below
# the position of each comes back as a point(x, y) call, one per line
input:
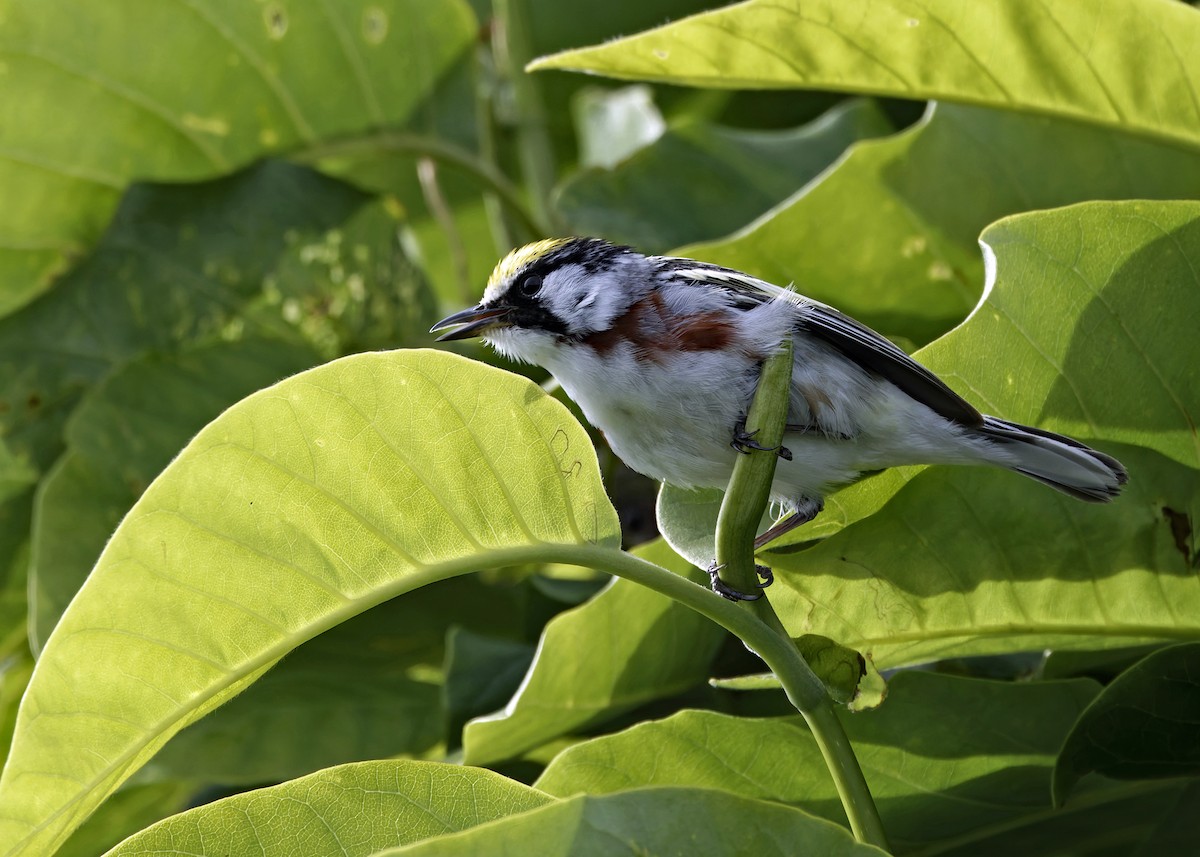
point(552, 292)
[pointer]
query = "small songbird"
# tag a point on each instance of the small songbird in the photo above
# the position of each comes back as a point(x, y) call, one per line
point(663, 354)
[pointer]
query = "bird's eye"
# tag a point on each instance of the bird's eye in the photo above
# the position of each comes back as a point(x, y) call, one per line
point(530, 286)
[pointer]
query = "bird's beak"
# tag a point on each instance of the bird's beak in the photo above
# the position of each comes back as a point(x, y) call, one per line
point(473, 321)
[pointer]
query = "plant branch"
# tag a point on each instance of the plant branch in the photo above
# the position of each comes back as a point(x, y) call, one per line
point(435, 200)
point(746, 498)
point(803, 688)
point(420, 145)
point(533, 140)
point(750, 486)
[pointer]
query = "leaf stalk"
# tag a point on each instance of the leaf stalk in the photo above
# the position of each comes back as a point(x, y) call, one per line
point(737, 523)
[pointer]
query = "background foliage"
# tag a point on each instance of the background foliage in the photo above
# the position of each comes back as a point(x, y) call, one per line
point(284, 642)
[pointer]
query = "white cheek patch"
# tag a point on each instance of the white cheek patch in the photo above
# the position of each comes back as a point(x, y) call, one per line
point(588, 300)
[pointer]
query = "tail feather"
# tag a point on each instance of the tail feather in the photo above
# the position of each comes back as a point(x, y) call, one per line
point(1058, 461)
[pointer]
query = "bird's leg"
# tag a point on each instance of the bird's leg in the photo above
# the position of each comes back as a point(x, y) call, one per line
point(714, 574)
point(806, 510)
point(743, 441)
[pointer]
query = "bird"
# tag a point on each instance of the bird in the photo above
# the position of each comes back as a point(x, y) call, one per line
point(662, 354)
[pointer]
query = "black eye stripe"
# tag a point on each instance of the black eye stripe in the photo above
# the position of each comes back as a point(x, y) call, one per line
point(530, 285)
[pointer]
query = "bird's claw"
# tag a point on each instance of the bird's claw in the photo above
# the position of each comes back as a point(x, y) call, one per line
point(744, 442)
point(728, 592)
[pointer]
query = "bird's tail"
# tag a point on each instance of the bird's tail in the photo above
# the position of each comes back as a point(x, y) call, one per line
point(1056, 460)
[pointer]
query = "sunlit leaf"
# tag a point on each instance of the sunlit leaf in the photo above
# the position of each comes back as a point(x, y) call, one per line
point(353, 810)
point(652, 821)
point(301, 506)
point(891, 235)
point(1056, 57)
point(122, 434)
point(988, 761)
point(367, 689)
point(90, 103)
point(1072, 337)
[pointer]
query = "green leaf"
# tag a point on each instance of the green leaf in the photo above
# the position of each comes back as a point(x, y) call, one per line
point(1070, 337)
point(843, 671)
point(891, 236)
point(14, 677)
point(299, 507)
point(367, 689)
point(1101, 274)
point(1111, 822)
point(965, 562)
point(91, 104)
point(1178, 828)
point(131, 809)
point(653, 201)
point(16, 474)
point(353, 810)
point(254, 255)
point(622, 649)
point(1103, 665)
point(121, 436)
point(178, 265)
point(1052, 57)
point(988, 760)
point(1143, 726)
point(651, 821)
point(482, 674)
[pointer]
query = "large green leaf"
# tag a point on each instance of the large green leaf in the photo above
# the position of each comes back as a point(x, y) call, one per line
point(891, 234)
point(1111, 821)
point(353, 810)
point(1072, 336)
point(1146, 724)
point(1057, 57)
point(299, 507)
point(95, 97)
point(124, 432)
point(987, 762)
point(179, 264)
point(367, 689)
point(654, 201)
point(624, 648)
point(651, 821)
point(277, 252)
point(1178, 828)
point(131, 809)
point(482, 674)
point(1088, 326)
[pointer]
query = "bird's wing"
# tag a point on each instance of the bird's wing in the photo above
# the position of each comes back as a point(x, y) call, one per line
point(852, 338)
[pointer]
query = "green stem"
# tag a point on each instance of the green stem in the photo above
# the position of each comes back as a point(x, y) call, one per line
point(737, 523)
point(486, 128)
point(533, 139)
point(801, 685)
point(750, 486)
point(419, 145)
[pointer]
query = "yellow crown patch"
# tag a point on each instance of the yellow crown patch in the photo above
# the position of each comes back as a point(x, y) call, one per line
point(511, 265)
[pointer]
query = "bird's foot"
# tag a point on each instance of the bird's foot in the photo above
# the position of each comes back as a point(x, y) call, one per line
point(744, 442)
point(806, 510)
point(718, 586)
